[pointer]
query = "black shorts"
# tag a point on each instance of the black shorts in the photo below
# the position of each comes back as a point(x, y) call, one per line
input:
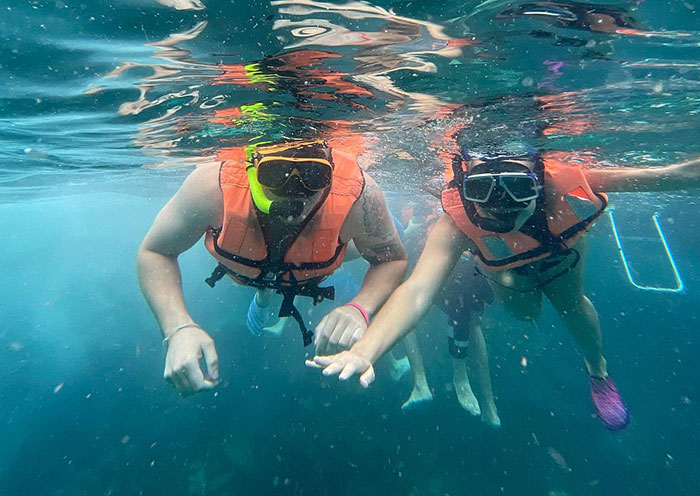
point(465, 294)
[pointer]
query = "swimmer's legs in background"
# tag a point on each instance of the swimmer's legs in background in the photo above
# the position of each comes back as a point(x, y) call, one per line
point(477, 364)
point(459, 346)
point(421, 391)
point(397, 366)
point(463, 388)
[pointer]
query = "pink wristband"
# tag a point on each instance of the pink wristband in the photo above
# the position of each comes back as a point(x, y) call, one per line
point(362, 310)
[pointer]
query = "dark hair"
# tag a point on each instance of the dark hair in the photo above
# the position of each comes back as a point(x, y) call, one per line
point(506, 127)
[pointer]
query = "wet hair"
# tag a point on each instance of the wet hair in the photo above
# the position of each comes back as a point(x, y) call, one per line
point(486, 167)
point(510, 149)
point(506, 127)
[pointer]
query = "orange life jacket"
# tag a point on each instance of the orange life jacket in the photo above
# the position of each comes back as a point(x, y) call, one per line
point(241, 249)
point(570, 208)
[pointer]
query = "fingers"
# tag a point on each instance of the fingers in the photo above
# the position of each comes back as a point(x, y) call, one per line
point(333, 368)
point(349, 370)
point(368, 377)
point(196, 379)
point(180, 380)
point(322, 361)
point(322, 332)
point(320, 339)
point(352, 333)
point(357, 335)
point(339, 330)
point(182, 362)
point(212, 360)
point(341, 327)
point(345, 365)
point(176, 378)
point(189, 377)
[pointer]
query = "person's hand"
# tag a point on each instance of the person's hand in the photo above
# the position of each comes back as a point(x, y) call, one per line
point(345, 364)
point(185, 349)
point(339, 330)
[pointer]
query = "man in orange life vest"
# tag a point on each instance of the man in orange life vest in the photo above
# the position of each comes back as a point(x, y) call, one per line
point(280, 217)
point(524, 215)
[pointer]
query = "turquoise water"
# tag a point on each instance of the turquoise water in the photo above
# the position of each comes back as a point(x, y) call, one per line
point(105, 107)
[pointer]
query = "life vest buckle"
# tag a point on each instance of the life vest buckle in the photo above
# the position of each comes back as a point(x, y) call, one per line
point(218, 273)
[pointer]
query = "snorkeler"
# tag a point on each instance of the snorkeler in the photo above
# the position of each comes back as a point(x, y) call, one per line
point(277, 216)
point(524, 214)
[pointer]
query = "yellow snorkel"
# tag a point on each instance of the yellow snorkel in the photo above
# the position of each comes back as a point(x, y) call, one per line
point(261, 201)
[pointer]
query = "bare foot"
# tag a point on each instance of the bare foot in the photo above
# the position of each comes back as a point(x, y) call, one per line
point(277, 328)
point(419, 395)
point(489, 415)
point(183, 4)
point(399, 368)
point(466, 397)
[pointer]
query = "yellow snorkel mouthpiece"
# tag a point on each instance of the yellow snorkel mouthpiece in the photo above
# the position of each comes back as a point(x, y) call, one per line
point(256, 191)
point(261, 201)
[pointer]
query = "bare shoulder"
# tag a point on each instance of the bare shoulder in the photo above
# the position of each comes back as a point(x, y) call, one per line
point(371, 227)
point(203, 181)
point(196, 206)
point(369, 215)
point(200, 194)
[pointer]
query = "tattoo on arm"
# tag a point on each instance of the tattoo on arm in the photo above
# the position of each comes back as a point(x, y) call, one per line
point(387, 251)
point(374, 214)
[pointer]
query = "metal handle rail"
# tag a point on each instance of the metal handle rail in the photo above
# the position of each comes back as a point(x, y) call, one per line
point(679, 282)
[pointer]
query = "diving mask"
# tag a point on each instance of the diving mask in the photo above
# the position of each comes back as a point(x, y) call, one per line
point(275, 172)
point(520, 186)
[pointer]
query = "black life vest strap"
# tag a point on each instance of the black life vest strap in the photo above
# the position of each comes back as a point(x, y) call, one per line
point(288, 309)
point(277, 249)
point(265, 265)
point(289, 291)
point(217, 274)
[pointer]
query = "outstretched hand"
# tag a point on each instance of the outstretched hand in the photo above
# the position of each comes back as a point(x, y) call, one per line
point(345, 364)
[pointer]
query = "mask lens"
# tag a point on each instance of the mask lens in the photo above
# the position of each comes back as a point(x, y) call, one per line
point(521, 187)
point(275, 173)
point(478, 188)
point(314, 175)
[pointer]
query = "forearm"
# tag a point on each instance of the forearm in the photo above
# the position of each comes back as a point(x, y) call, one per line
point(678, 176)
point(404, 310)
point(161, 284)
point(669, 178)
point(378, 284)
point(681, 175)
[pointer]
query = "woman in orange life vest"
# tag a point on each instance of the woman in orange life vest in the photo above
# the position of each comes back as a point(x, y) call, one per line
point(523, 215)
point(279, 217)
